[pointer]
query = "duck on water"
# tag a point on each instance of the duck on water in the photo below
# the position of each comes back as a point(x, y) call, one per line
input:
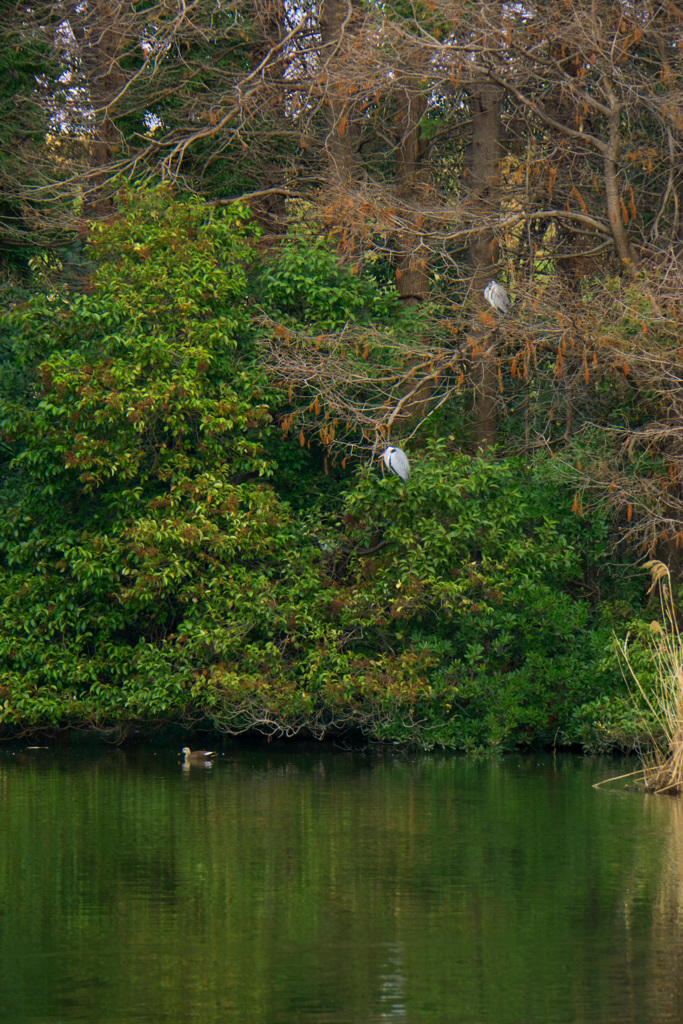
point(195, 756)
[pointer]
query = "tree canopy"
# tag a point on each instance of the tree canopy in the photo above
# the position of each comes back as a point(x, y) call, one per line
point(245, 246)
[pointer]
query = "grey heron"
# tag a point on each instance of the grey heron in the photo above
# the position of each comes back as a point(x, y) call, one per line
point(396, 462)
point(496, 296)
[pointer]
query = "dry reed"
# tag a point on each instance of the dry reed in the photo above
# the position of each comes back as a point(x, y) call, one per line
point(662, 761)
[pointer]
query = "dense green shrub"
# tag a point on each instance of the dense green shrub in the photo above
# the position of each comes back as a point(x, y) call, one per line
point(138, 538)
point(307, 282)
point(150, 569)
point(469, 607)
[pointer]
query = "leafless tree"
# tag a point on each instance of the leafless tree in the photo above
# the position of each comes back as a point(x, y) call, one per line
point(540, 144)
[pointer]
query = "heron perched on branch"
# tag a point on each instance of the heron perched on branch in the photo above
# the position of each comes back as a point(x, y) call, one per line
point(497, 297)
point(396, 462)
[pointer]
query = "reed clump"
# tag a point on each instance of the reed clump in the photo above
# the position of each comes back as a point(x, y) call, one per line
point(662, 758)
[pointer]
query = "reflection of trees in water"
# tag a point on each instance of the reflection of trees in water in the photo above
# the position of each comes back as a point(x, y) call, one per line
point(392, 985)
point(665, 962)
point(647, 974)
point(288, 884)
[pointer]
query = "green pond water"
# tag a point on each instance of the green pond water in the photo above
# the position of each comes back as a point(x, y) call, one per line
point(291, 885)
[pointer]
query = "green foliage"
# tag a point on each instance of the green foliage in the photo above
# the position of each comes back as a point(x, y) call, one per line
point(149, 569)
point(28, 70)
point(470, 591)
point(308, 282)
point(609, 723)
point(136, 532)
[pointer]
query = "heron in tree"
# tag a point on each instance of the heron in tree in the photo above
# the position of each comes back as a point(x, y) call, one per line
point(496, 296)
point(396, 462)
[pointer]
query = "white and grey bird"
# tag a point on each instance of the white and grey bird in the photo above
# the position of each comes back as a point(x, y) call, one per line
point(396, 462)
point(496, 296)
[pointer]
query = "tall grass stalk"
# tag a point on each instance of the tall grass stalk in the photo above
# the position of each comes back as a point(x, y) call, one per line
point(662, 760)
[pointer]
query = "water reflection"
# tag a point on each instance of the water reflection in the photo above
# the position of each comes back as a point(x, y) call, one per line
point(304, 887)
point(392, 986)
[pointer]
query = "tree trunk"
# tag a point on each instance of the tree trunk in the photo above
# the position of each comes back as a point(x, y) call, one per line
point(413, 179)
point(269, 24)
point(338, 22)
point(100, 28)
point(614, 211)
point(485, 185)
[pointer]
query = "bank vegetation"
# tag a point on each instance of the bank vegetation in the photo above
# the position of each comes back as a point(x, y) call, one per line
point(244, 246)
